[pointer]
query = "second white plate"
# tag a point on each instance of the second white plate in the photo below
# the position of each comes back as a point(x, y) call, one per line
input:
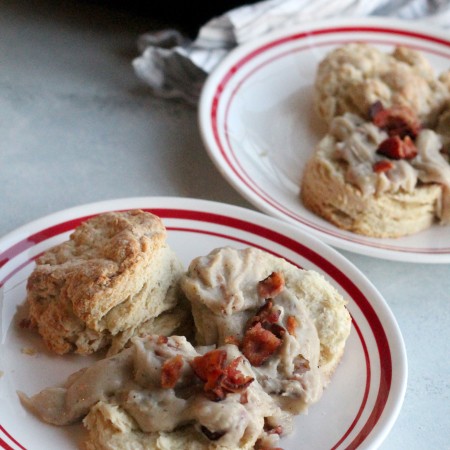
point(259, 128)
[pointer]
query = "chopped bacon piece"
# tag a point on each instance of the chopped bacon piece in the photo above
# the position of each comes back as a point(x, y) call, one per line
point(291, 325)
point(234, 380)
point(219, 378)
point(397, 121)
point(236, 386)
point(210, 367)
point(273, 430)
point(396, 148)
point(171, 371)
point(382, 166)
point(259, 344)
point(263, 335)
point(162, 340)
point(266, 315)
point(271, 285)
point(276, 329)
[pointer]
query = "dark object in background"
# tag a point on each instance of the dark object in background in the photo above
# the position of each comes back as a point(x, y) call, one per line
point(186, 16)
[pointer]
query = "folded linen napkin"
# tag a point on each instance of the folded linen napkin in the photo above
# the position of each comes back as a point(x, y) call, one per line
point(174, 66)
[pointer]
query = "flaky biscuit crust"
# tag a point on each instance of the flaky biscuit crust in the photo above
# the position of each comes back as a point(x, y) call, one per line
point(352, 77)
point(106, 264)
point(325, 192)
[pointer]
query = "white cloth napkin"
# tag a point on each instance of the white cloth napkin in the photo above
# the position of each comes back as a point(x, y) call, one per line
point(174, 66)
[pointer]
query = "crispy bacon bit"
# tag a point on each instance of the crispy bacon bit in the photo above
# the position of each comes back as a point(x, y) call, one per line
point(291, 325)
point(271, 286)
point(259, 344)
point(263, 335)
point(402, 125)
point(171, 372)
point(278, 330)
point(162, 340)
point(220, 379)
point(212, 435)
point(382, 166)
point(396, 121)
point(234, 380)
point(210, 367)
point(273, 430)
point(232, 340)
point(266, 315)
point(396, 148)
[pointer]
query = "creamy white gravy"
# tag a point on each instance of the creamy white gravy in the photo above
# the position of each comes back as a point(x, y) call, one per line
point(356, 143)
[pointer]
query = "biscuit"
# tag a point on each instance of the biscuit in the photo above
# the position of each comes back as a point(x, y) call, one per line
point(223, 290)
point(160, 394)
point(354, 76)
point(341, 182)
point(112, 275)
point(176, 321)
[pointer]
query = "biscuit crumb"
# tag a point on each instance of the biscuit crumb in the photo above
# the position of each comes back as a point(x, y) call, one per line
point(29, 351)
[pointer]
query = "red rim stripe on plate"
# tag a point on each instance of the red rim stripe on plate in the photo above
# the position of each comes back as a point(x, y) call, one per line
point(7, 446)
point(272, 235)
point(29, 242)
point(238, 65)
point(365, 396)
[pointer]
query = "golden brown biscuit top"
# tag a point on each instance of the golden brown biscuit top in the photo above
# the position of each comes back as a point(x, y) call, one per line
point(98, 266)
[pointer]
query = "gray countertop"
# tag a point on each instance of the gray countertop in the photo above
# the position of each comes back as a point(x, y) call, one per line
point(77, 126)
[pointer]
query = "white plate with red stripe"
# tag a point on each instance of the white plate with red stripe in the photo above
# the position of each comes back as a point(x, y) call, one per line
point(259, 127)
point(356, 411)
